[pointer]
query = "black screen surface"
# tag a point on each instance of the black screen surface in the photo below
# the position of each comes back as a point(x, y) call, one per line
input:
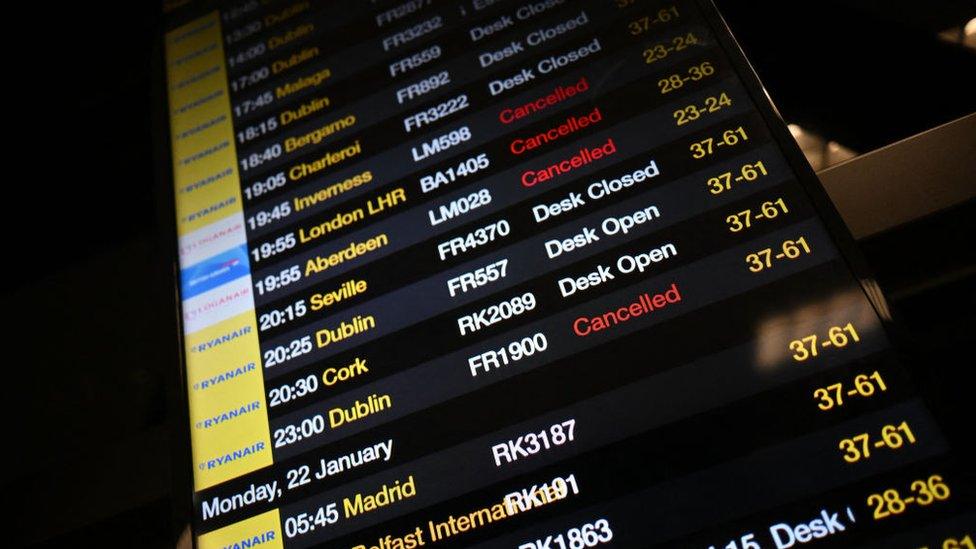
point(524, 274)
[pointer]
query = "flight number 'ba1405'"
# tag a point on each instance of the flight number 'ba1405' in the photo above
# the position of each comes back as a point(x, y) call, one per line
point(466, 167)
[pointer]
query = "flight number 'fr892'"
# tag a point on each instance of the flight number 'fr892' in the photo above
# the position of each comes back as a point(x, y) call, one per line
point(423, 87)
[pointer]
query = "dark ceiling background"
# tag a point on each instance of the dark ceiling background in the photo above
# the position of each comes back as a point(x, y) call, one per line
point(88, 304)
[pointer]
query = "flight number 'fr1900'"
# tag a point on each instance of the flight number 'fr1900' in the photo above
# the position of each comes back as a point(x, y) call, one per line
point(514, 351)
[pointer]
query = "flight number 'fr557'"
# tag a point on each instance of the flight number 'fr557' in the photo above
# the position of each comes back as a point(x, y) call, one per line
point(477, 278)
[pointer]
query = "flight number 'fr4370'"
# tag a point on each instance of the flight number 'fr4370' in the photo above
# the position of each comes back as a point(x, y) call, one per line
point(478, 237)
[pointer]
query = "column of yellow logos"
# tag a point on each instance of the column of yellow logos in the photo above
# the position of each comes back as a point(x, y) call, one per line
point(228, 418)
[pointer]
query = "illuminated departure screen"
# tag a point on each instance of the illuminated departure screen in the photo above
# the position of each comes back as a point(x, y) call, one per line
point(530, 274)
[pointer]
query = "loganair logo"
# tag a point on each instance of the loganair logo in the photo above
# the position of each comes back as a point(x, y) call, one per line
point(215, 303)
point(209, 210)
point(231, 457)
point(209, 238)
point(228, 375)
point(217, 341)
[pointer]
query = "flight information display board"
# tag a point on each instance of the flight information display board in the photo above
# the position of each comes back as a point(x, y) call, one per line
point(524, 273)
